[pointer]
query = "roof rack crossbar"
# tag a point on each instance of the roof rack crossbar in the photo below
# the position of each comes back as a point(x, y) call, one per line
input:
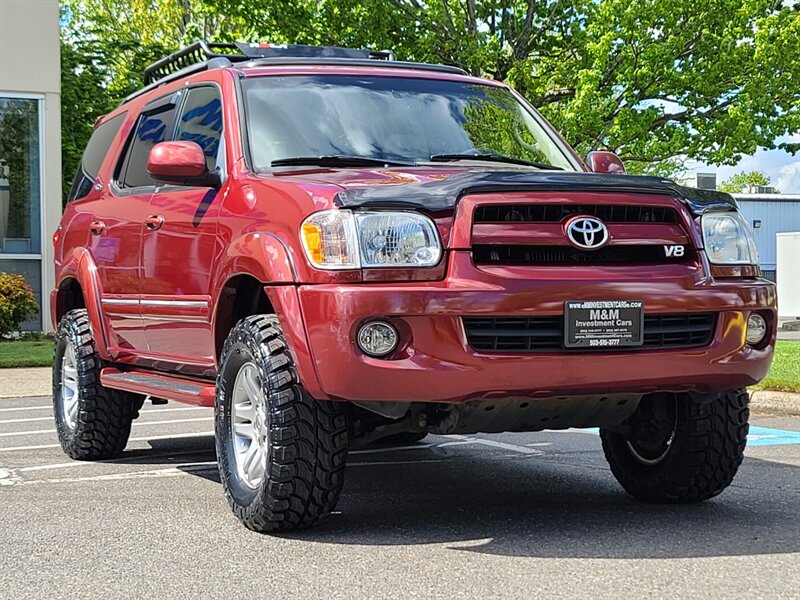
point(196, 53)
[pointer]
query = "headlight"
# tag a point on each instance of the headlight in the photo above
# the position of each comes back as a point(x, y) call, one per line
point(341, 239)
point(728, 240)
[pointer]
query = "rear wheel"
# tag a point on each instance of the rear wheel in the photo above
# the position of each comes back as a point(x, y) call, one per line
point(676, 450)
point(93, 422)
point(281, 453)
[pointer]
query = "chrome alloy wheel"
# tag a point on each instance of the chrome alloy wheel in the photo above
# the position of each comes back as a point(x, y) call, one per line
point(69, 387)
point(249, 427)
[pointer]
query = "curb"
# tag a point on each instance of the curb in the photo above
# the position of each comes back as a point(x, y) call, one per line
point(775, 403)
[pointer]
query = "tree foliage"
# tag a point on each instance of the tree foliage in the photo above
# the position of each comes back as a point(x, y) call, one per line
point(658, 82)
point(745, 181)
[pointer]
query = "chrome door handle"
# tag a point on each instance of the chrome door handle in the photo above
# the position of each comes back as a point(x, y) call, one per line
point(154, 222)
point(97, 227)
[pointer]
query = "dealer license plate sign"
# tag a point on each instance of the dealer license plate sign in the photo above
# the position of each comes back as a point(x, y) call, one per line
point(603, 324)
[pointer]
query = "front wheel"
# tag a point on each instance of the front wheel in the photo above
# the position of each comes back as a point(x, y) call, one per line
point(281, 454)
point(675, 450)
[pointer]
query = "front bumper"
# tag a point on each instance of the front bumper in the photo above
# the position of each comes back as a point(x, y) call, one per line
point(438, 365)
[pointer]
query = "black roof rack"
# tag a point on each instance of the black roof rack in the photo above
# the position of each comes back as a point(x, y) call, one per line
point(203, 55)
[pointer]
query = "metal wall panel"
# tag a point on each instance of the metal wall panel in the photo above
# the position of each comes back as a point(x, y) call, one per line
point(776, 216)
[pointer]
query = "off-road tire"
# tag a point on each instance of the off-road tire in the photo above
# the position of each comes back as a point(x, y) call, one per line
point(307, 440)
point(104, 416)
point(705, 453)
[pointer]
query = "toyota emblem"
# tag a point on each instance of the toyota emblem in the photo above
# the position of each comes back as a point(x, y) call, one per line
point(587, 233)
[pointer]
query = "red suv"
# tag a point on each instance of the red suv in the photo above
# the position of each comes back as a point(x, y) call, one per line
point(331, 247)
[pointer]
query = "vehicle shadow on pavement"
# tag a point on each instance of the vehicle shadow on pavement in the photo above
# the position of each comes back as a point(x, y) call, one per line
point(529, 508)
point(533, 506)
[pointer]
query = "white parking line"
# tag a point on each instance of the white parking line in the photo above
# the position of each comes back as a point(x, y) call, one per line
point(172, 471)
point(494, 444)
point(49, 406)
point(137, 439)
point(135, 424)
point(390, 449)
point(124, 460)
point(144, 412)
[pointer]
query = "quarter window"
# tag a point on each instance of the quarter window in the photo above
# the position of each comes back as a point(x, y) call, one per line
point(93, 156)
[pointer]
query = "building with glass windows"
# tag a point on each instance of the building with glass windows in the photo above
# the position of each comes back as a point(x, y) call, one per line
point(30, 144)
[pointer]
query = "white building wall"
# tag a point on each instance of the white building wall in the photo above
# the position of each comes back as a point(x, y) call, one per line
point(788, 253)
point(30, 67)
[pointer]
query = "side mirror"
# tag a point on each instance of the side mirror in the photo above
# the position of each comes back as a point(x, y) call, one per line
point(180, 163)
point(600, 161)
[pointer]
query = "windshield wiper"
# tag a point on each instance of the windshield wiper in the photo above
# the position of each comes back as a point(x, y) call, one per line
point(492, 158)
point(338, 160)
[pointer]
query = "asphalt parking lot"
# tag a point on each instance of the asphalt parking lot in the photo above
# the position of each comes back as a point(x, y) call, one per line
point(515, 515)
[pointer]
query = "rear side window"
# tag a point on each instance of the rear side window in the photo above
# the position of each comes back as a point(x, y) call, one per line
point(201, 122)
point(93, 156)
point(151, 128)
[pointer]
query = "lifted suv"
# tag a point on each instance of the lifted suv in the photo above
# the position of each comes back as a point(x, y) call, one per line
point(330, 246)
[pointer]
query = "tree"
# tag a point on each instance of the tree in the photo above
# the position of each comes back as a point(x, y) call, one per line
point(657, 82)
point(745, 181)
point(81, 70)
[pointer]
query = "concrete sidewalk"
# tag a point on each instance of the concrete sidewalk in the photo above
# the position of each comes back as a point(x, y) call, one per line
point(23, 383)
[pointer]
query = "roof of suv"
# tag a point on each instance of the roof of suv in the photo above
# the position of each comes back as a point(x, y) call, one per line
point(252, 58)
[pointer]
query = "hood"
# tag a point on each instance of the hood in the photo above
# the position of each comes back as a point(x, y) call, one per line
point(439, 188)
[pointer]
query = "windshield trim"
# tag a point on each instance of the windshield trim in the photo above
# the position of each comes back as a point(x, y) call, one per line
point(244, 118)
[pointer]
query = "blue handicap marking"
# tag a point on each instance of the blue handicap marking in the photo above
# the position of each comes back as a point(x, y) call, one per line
point(764, 436)
point(758, 436)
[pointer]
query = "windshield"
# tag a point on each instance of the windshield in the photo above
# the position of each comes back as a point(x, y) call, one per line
point(390, 118)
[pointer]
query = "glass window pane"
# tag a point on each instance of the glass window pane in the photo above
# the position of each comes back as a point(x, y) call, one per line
point(20, 186)
point(150, 130)
point(201, 122)
point(392, 118)
point(93, 157)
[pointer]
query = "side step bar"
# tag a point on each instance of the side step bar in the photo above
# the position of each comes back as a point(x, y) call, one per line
point(188, 391)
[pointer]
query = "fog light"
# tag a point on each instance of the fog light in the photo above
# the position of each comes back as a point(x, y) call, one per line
point(756, 329)
point(377, 338)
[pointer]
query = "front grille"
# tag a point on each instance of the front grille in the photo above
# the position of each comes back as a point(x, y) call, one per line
point(542, 334)
point(555, 213)
point(491, 254)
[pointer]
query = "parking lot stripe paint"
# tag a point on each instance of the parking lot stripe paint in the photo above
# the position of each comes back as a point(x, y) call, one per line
point(138, 439)
point(142, 413)
point(113, 461)
point(390, 449)
point(495, 444)
point(28, 420)
point(172, 471)
point(766, 436)
point(135, 424)
point(20, 408)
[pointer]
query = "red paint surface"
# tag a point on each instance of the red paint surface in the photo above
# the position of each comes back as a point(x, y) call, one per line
point(249, 226)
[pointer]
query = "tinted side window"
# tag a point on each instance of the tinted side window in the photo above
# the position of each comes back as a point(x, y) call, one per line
point(201, 122)
point(93, 156)
point(150, 130)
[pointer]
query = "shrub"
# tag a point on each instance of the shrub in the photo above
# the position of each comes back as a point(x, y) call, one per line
point(17, 302)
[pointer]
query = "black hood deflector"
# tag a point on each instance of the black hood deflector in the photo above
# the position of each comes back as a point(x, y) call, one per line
point(441, 195)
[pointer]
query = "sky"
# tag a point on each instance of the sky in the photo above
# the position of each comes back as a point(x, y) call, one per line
point(781, 167)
